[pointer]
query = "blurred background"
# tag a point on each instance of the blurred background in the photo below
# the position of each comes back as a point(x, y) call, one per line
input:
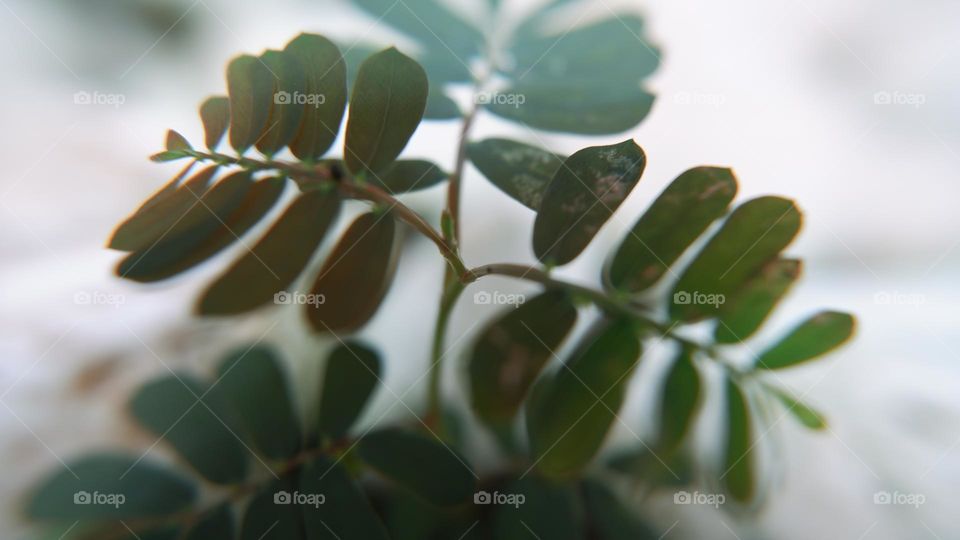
point(849, 107)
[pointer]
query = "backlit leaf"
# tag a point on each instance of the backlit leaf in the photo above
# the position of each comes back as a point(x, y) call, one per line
point(352, 374)
point(176, 141)
point(408, 175)
point(250, 87)
point(681, 397)
point(345, 512)
point(520, 170)
point(286, 110)
point(738, 476)
point(326, 74)
point(215, 115)
point(814, 337)
point(744, 313)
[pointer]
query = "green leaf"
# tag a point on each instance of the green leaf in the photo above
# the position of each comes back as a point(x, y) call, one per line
point(520, 170)
point(754, 302)
point(801, 411)
point(274, 262)
point(252, 383)
point(326, 76)
point(110, 486)
point(286, 106)
point(170, 155)
point(215, 115)
point(356, 276)
point(814, 337)
point(611, 519)
point(644, 465)
point(679, 403)
point(196, 225)
point(572, 107)
point(511, 351)
point(738, 476)
point(260, 199)
point(440, 106)
point(354, 55)
point(408, 175)
point(268, 517)
point(756, 232)
point(548, 510)
point(176, 142)
point(345, 512)
point(386, 105)
point(176, 409)
point(250, 87)
point(582, 196)
point(216, 525)
point(571, 410)
point(679, 216)
point(155, 218)
point(352, 375)
point(420, 464)
point(430, 23)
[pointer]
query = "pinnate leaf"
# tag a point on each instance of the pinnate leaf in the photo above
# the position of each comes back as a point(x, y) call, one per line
point(814, 337)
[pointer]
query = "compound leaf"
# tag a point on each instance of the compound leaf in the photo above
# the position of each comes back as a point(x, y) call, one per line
point(753, 303)
point(520, 170)
point(814, 337)
point(250, 87)
point(681, 397)
point(286, 111)
point(215, 115)
point(345, 512)
point(801, 411)
point(738, 476)
point(408, 175)
point(326, 86)
point(352, 375)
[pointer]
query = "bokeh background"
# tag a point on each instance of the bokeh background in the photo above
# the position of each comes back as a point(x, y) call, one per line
point(851, 108)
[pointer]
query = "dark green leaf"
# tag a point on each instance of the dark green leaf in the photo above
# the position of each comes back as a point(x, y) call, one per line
point(801, 411)
point(288, 102)
point(681, 397)
point(345, 512)
point(176, 409)
point(408, 175)
point(430, 23)
point(215, 115)
point(738, 475)
point(271, 515)
point(386, 106)
point(645, 465)
point(176, 141)
point(420, 464)
point(610, 518)
point(756, 232)
point(250, 87)
point(547, 510)
point(275, 261)
point(110, 486)
point(587, 189)
point(512, 350)
point(519, 170)
point(754, 302)
point(440, 106)
point(155, 218)
point(253, 384)
point(352, 374)
point(410, 518)
point(814, 337)
point(356, 276)
point(326, 76)
point(216, 525)
point(679, 216)
point(570, 411)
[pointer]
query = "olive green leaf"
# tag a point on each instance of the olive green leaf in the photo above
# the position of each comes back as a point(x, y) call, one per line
point(408, 175)
point(268, 518)
point(610, 518)
point(148, 490)
point(175, 408)
point(215, 115)
point(276, 260)
point(738, 476)
point(386, 105)
point(753, 303)
point(549, 510)
point(253, 385)
point(571, 410)
point(352, 374)
point(801, 411)
point(676, 218)
point(176, 142)
point(756, 232)
point(419, 463)
point(326, 93)
point(679, 403)
point(250, 87)
point(286, 111)
point(345, 512)
point(356, 276)
point(584, 193)
point(216, 525)
point(814, 337)
point(520, 170)
point(511, 351)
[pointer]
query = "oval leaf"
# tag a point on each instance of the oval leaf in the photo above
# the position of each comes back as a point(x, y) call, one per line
point(215, 115)
point(386, 105)
point(356, 276)
point(250, 87)
point(738, 477)
point(352, 374)
point(679, 216)
point(275, 261)
point(326, 90)
point(345, 512)
point(408, 175)
point(754, 302)
point(421, 464)
point(582, 196)
point(548, 510)
point(519, 170)
point(756, 232)
point(814, 337)
point(511, 351)
point(288, 101)
point(681, 397)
